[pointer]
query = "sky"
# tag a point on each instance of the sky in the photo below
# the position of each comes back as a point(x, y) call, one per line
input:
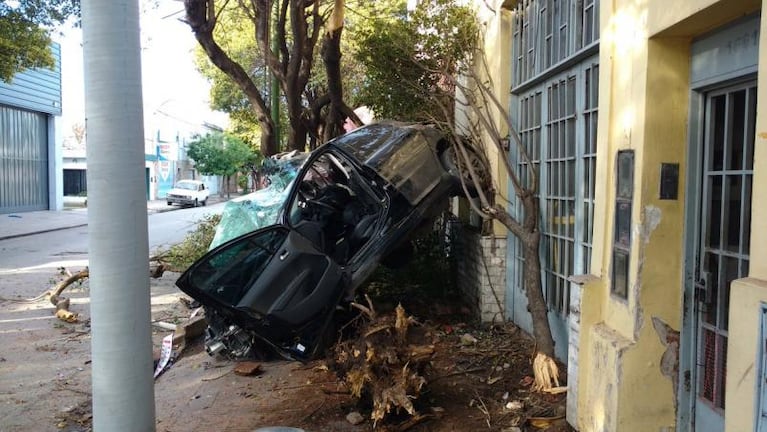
point(175, 94)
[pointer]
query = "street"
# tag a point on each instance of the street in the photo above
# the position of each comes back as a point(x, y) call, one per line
point(69, 247)
point(45, 363)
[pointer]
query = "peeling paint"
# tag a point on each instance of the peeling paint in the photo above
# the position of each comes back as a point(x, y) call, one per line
point(652, 218)
point(650, 222)
point(669, 361)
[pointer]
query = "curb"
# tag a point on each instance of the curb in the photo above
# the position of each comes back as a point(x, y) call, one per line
point(13, 236)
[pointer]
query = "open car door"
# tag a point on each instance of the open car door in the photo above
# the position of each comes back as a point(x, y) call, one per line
point(272, 282)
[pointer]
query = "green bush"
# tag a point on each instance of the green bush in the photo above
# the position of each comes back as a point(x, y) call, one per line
point(182, 255)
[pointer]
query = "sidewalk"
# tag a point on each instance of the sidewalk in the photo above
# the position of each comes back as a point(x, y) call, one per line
point(74, 215)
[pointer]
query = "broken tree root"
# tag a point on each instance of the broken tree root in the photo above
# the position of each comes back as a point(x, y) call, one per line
point(383, 366)
point(62, 303)
point(546, 373)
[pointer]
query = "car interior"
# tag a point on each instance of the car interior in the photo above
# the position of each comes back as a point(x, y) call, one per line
point(333, 209)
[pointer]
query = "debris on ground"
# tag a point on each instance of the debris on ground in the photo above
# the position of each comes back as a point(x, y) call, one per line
point(384, 365)
point(248, 368)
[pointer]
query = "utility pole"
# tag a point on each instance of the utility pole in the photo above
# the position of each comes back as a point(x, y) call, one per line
point(121, 348)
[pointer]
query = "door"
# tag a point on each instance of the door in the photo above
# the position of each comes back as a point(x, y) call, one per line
point(23, 160)
point(722, 238)
point(272, 281)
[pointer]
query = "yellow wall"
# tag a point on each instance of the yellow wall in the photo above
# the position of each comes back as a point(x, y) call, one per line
point(643, 106)
point(495, 22)
point(758, 264)
point(746, 295)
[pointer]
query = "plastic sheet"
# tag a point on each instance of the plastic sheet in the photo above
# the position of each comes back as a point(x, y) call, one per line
point(259, 209)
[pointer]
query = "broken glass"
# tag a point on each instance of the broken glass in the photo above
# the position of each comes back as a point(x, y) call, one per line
point(261, 208)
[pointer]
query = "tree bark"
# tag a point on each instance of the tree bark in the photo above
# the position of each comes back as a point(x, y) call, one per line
point(200, 15)
point(536, 303)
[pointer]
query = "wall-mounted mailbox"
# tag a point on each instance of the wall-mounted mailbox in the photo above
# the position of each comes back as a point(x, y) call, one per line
point(669, 181)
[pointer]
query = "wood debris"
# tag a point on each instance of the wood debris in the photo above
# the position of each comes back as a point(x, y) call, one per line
point(384, 366)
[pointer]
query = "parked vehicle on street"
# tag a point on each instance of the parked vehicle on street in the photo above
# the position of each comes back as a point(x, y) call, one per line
point(354, 203)
point(188, 193)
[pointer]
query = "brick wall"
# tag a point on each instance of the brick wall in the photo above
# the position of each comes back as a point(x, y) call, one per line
point(481, 273)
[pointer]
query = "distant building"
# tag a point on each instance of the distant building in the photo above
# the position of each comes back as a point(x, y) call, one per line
point(30, 144)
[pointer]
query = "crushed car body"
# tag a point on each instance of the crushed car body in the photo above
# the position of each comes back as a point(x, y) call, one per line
point(354, 202)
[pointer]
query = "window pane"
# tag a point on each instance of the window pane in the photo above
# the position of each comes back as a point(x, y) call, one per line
point(620, 273)
point(625, 174)
point(623, 224)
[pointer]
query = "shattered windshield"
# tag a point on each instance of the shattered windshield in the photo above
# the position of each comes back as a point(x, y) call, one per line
point(261, 208)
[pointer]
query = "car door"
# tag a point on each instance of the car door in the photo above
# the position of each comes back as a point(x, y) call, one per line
point(273, 275)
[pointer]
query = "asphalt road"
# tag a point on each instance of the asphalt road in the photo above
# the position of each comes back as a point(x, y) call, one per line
point(45, 363)
point(69, 247)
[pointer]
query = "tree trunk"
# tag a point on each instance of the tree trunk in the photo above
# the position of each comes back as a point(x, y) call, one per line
point(536, 303)
point(331, 56)
point(200, 16)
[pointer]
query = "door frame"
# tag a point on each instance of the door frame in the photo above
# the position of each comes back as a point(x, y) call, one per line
point(689, 336)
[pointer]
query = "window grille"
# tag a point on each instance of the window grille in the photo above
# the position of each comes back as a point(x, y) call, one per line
point(557, 124)
point(548, 32)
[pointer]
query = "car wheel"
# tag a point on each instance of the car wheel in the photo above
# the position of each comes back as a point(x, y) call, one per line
point(457, 168)
point(204, 202)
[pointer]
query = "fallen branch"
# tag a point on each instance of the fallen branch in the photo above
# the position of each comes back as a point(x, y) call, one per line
point(62, 303)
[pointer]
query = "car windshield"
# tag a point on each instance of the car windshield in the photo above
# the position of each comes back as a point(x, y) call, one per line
point(261, 208)
point(186, 185)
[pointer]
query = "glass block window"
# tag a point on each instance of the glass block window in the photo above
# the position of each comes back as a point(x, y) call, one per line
point(622, 237)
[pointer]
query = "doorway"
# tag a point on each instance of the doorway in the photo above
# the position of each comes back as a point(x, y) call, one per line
point(720, 238)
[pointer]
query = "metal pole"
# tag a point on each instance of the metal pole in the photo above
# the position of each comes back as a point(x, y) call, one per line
point(121, 348)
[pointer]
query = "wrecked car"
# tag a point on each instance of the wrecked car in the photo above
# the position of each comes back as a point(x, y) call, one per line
point(354, 204)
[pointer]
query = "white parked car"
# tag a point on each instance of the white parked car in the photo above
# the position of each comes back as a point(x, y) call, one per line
point(189, 192)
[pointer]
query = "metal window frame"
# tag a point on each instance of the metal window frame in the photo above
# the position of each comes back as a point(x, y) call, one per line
point(617, 247)
point(549, 33)
point(579, 241)
point(760, 414)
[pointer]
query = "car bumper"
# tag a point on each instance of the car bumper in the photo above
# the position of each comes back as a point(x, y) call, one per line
point(180, 200)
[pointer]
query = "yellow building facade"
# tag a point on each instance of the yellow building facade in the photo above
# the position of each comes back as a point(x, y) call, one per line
point(681, 347)
point(655, 260)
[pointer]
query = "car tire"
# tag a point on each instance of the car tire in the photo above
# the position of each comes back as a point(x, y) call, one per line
point(449, 162)
point(204, 202)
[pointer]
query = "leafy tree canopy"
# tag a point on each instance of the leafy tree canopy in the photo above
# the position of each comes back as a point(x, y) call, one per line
point(25, 33)
point(235, 36)
point(406, 59)
point(221, 154)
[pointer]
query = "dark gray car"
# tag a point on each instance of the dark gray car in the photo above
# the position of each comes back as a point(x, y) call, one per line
point(355, 202)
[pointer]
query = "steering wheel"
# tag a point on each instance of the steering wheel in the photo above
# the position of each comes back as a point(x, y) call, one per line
point(321, 204)
point(308, 190)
